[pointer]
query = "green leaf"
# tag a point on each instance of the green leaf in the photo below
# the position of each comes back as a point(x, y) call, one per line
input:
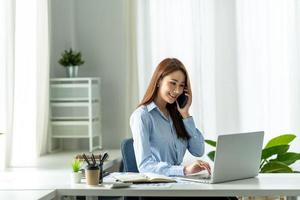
point(211, 155)
point(211, 142)
point(276, 167)
point(288, 157)
point(76, 164)
point(268, 152)
point(71, 58)
point(281, 140)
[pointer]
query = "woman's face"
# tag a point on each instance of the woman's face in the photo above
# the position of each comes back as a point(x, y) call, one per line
point(171, 86)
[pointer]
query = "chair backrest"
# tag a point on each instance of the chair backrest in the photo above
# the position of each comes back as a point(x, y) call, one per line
point(128, 155)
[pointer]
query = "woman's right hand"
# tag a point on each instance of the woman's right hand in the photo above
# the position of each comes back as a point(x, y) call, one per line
point(196, 166)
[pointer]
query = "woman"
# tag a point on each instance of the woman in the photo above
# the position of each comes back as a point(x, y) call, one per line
point(162, 130)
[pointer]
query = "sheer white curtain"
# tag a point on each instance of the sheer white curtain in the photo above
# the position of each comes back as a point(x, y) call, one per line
point(26, 67)
point(43, 74)
point(242, 56)
point(25, 73)
point(185, 30)
point(7, 10)
point(268, 60)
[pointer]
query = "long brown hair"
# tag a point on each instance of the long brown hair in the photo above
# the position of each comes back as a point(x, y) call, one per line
point(163, 69)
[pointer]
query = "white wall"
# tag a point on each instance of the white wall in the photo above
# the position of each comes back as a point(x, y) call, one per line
point(97, 29)
point(62, 32)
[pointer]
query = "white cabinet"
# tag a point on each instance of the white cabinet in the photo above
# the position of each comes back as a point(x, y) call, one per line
point(75, 109)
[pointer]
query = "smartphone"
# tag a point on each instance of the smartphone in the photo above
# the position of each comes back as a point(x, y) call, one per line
point(182, 100)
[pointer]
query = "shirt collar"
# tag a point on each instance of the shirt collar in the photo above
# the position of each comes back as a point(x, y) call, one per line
point(151, 106)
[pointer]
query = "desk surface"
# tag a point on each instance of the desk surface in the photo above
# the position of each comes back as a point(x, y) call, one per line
point(59, 180)
point(56, 177)
point(28, 194)
point(263, 185)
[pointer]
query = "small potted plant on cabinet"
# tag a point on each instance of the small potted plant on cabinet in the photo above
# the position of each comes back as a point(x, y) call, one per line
point(76, 174)
point(71, 60)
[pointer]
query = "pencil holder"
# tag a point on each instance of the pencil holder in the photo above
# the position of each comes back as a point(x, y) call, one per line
point(100, 173)
point(92, 175)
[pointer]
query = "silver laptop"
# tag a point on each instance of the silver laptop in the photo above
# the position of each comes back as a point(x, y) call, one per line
point(237, 157)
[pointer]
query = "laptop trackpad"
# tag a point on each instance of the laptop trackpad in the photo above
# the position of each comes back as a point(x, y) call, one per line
point(199, 175)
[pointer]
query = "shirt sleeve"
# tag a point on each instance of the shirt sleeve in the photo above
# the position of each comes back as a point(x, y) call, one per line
point(196, 142)
point(140, 124)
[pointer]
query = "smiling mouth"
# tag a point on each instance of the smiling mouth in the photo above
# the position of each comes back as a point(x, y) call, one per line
point(174, 97)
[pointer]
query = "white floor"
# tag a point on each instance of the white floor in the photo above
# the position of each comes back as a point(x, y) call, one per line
point(63, 160)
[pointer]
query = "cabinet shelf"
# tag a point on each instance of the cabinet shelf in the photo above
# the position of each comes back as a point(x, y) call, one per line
point(71, 104)
point(53, 119)
point(75, 80)
point(75, 109)
point(75, 85)
point(72, 123)
point(54, 100)
point(69, 136)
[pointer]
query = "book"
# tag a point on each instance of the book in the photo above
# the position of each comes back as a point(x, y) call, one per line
point(131, 177)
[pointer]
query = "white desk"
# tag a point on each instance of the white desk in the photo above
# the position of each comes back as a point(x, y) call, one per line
point(263, 185)
point(54, 176)
point(59, 180)
point(28, 194)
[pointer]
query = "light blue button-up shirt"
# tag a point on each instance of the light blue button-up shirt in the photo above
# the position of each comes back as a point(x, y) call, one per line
point(156, 145)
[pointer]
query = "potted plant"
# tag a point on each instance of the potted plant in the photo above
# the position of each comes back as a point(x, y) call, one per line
point(76, 174)
point(275, 157)
point(71, 60)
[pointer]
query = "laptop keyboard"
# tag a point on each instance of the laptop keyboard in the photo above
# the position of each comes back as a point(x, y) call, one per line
point(202, 178)
point(199, 177)
point(198, 180)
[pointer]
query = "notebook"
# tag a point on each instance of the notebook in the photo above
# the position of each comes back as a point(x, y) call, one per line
point(131, 177)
